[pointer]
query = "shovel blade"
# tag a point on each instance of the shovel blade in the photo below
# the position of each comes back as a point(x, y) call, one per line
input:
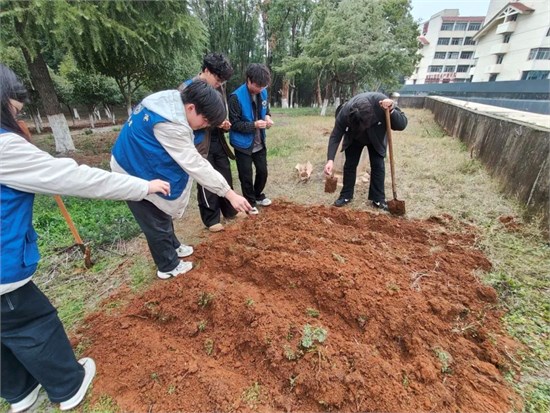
point(331, 183)
point(396, 207)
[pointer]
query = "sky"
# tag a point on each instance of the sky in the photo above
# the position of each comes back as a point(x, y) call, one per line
point(424, 9)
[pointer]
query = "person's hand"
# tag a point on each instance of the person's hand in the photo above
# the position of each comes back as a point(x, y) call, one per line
point(157, 185)
point(225, 125)
point(329, 168)
point(269, 122)
point(387, 104)
point(238, 202)
point(260, 124)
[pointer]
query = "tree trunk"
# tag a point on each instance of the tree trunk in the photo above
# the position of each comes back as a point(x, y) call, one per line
point(284, 92)
point(37, 122)
point(75, 114)
point(43, 83)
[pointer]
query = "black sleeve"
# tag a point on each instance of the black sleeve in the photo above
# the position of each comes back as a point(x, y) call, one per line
point(340, 126)
point(235, 117)
point(398, 119)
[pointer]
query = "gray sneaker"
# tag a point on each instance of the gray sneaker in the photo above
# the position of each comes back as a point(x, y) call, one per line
point(184, 251)
point(264, 202)
point(182, 268)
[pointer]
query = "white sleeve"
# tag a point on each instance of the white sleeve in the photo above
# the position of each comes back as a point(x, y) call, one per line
point(178, 142)
point(26, 168)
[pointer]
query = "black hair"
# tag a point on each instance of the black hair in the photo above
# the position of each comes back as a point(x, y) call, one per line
point(10, 88)
point(361, 115)
point(208, 102)
point(259, 74)
point(217, 64)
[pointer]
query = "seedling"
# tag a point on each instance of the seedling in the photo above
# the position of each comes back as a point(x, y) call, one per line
point(171, 389)
point(289, 353)
point(445, 359)
point(202, 325)
point(209, 346)
point(310, 335)
point(249, 302)
point(312, 312)
point(252, 394)
point(205, 299)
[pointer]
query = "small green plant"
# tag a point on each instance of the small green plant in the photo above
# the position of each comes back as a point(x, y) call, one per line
point(249, 302)
point(445, 359)
point(171, 389)
point(393, 287)
point(290, 354)
point(251, 395)
point(116, 129)
point(404, 379)
point(312, 312)
point(362, 321)
point(155, 377)
point(310, 335)
point(202, 325)
point(292, 381)
point(205, 299)
point(209, 346)
point(88, 132)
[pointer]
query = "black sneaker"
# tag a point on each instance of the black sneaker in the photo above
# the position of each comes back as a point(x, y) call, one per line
point(340, 202)
point(380, 205)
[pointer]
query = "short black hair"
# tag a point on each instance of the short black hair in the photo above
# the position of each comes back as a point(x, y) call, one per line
point(10, 88)
point(259, 74)
point(208, 102)
point(361, 115)
point(217, 64)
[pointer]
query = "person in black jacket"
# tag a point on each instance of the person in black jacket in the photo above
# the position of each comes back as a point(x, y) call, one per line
point(361, 121)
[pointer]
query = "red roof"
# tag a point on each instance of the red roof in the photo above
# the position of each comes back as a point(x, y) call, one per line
point(520, 6)
point(423, 40)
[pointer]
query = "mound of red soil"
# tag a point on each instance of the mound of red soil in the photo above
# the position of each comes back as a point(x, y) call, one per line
point(309, 308)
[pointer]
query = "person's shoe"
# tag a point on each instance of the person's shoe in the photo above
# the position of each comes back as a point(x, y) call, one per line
point(340, 202)
point(216, 227)
point(182, 268)
point(89, 373)
point(380, 205)
point(184, 251)
point(264, 202)
point(241, 215)
point(254, 211)
point(27, 402)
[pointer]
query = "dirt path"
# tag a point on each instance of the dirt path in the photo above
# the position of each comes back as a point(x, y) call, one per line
point(312, 308)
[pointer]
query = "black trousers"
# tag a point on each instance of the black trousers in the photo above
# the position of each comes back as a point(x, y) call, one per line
point(252, 187)
point(210, 204)
point(158, 228)
point(35, 348)
point(377, 172)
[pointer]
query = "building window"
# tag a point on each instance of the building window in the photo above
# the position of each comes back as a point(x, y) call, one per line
point(452, 55)
point(440, 55)
point(466, 55)
point(449, 69)
point(512, 17)
point(493, 77)
point(456, 41)
point(474, 26)
point(460, 26)
point(435, 69)
point(443, 41)
point(535, 75)
point(541, 53)
point(506, 38)
point(500, 58)
point(447, 26)
point(469, 41)
point(462, 68)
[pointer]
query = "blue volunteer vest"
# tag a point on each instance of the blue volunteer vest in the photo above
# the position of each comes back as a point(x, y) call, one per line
point(19, 254)
point(246, 140)
point(140, 154)
point(200, 133)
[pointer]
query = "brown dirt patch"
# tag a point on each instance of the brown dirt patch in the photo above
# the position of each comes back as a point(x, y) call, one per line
point(408, 325)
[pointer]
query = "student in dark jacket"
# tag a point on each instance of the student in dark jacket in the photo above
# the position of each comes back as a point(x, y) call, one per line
point(362, 122)
point(249, 117)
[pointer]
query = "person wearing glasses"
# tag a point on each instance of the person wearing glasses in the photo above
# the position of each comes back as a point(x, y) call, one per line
point(158, 140)
point(35, 351)
point(211, 143)
point(249, 116)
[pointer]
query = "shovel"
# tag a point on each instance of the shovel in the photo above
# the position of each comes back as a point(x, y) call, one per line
point(84, 248)
point(395, 206)
point(331, 182)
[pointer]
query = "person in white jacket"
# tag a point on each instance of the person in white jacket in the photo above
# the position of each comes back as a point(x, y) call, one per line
point(35, 350)
point(158, 140)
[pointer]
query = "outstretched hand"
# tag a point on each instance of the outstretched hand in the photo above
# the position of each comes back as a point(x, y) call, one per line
point(157, 185)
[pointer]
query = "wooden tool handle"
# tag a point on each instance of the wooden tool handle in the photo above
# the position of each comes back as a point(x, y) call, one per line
point(390, 147)
point(68, 218)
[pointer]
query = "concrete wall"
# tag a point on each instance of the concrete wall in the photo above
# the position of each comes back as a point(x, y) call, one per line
point(514, 146)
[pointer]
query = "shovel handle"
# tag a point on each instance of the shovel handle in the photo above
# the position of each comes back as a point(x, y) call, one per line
point(390, 147)
point(69, 220)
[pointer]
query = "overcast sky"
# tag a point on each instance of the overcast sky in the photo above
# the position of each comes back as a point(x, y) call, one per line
point(424, 9)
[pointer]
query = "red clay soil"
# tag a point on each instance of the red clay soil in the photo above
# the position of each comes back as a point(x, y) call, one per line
point(312, 309)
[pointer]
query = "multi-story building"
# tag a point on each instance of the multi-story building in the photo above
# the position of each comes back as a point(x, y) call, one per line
point(447, 48)
point(514, 42)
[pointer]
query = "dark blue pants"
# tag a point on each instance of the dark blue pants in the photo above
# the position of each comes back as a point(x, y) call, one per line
point(377, 172)
point(252, 187)
point(35, 348)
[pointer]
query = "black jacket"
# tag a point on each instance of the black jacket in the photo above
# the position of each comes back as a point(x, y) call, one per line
point(374, 135)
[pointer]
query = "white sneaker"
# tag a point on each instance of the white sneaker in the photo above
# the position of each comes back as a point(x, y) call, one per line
point(27, 402)
point(182, 268)
point(216, 227)
point(184, 251)
point(254, 211)
point(89, 374)
point(264, 202)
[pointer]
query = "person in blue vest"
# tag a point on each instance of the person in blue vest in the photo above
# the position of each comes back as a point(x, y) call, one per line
point(249, 117)
point(211, 143)
point(35, 350)
point(158, 140)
